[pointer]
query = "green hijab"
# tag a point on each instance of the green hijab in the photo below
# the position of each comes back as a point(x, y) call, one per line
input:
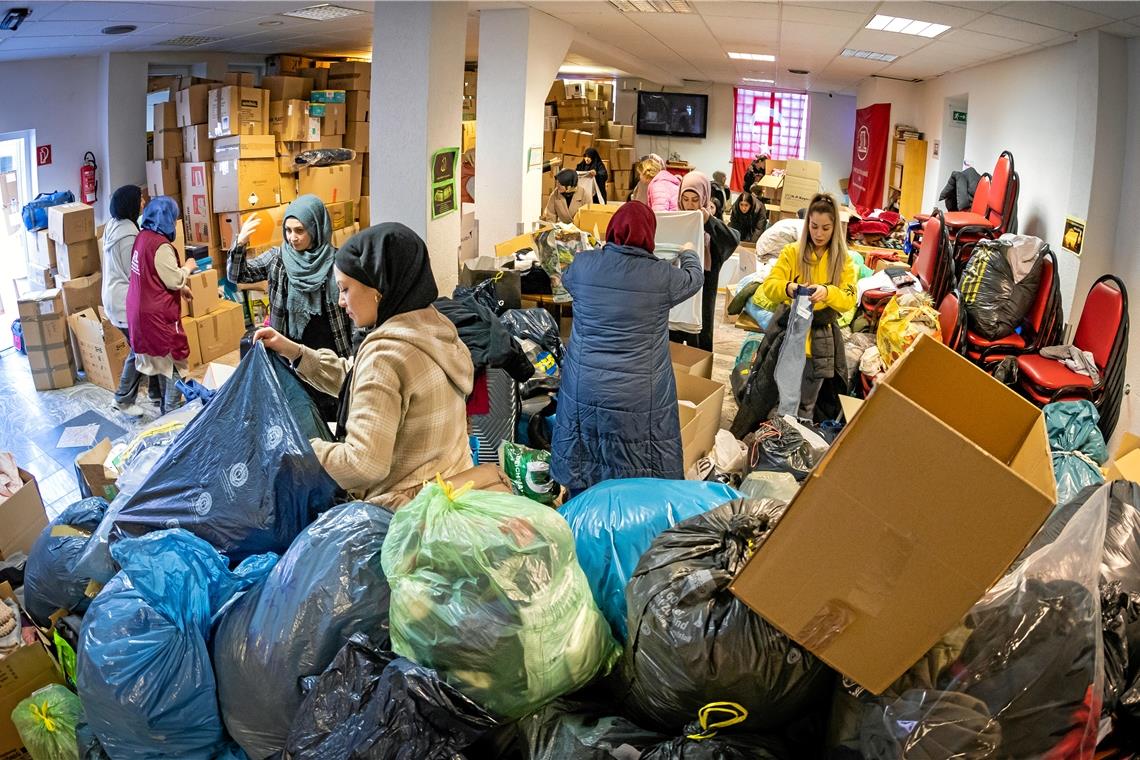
point(310, 272)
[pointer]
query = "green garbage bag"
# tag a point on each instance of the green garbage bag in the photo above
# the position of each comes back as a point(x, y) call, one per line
point(487, 590)
point(529, 472)
point(1077, 446)
point(46, 723)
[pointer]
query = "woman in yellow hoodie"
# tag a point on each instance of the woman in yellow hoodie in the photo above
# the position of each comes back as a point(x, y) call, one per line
point(818, 268)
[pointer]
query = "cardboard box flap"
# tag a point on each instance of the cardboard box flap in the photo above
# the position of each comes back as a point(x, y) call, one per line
point(1125, 464)
point(23, 517)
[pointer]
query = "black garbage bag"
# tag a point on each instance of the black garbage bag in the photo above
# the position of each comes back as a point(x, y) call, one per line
point(488, 340)
point(49, 583)
point(88, 744)
point(372, 705)
point(996, 302)
point(692, 642)
point(776, 446)
point(725, 747)
point(328, 586)
point(242, 476)
point(537, 325)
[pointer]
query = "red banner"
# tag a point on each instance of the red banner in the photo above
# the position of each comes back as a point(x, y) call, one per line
point(869, 157)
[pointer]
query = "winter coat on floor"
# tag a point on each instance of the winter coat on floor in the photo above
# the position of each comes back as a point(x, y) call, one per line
point(407, 419)
point(617, 406)
point(663, 191)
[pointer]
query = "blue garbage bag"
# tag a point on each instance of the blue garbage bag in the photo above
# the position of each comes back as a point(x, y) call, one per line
point(49, 583)
point(1077, 445)
point(328, 586)
point(615, 522)
point(144, 672)
point(242, 475)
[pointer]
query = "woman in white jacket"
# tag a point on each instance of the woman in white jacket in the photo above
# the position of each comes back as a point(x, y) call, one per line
point(118, 242)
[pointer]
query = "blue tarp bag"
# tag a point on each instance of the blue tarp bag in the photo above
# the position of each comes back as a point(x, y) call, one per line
point(144, 671)
point(242, 475)
point(615, 522)
point(49, 583)
point(34, 213)
point(1077, 445)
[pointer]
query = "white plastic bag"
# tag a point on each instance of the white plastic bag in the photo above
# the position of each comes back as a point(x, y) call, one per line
point(674, 229)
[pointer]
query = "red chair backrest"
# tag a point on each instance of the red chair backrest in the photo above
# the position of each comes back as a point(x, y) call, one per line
point(981, 196)
point(926, 262)
point(948, 315)
point(1036, 316)
point(1100, 322)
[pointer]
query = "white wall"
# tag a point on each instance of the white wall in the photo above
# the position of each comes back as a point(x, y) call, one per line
point(60, 100)
point(831, 134)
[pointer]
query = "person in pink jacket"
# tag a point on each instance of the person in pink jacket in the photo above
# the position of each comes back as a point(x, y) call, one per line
point(662, 187)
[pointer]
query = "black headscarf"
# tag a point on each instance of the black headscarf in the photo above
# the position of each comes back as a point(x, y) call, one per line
point(394, 260)
point(126, 202)
point(567, 178)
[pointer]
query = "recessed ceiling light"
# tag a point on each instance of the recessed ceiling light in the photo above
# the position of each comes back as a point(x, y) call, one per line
point(868, 55)
point(910, 26)
point(324, 12)
point(270, 23)
point(119, 29)
point(752, 57)
point(760, 81)
point(652, 6)
point(189, 40)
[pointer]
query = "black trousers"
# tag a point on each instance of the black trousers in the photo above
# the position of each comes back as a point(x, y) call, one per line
point(704, 339)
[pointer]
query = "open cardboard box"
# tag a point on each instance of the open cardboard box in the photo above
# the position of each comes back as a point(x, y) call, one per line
point(1125, 464)
point(99, 479)
point(698, 430)
point(23, 516)
point(22, 672)
point(595, 218)
point(871, 565)
point(688, 360)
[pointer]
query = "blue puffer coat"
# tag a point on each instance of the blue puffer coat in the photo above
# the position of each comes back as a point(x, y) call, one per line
point(617, 404)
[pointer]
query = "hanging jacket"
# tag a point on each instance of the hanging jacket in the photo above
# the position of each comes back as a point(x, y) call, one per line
point(958, 193)
point(617, 405)
point(153, 310)
point(663, 191)
point(407, 416)
point(118, 243)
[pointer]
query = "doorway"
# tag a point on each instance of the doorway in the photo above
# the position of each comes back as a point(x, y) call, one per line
point(953, 150)
point(16, 189)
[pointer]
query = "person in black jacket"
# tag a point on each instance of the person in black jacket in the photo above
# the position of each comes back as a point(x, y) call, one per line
point(593, 165)
point(747, 217)
point(720, 193)
point(720, 243)
point(755, 171)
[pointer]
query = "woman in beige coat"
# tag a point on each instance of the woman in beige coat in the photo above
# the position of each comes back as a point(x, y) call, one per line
point(566, 199)
point(403, 417)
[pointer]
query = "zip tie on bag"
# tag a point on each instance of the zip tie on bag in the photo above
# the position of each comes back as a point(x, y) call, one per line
point(736, 712)
point(41, 713)
point(451, 492)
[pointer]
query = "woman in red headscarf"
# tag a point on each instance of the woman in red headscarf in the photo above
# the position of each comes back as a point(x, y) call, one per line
point(617, 404)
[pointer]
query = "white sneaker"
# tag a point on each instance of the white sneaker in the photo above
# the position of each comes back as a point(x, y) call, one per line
point(131, 410)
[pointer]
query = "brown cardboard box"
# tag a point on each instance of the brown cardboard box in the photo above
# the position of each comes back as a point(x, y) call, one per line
point(204, 287)
point(318, 76)
point(805, 169)
point(357, 180)
point(558, 144)
point(691, 361)
point(576, 142)
point(268, 232)
point(197, 145)
point(356, 136)
point(23, 671)
point(197, 204)
point(332, 184)
point(246, 185)
point(771, 187)
point(707, 397)
point(168, 145)
point(884, 560)
point(24, 518)
point(101, 480)
point(239, 78)
point(287, 87)
point(357, 105)
point(624, 159)
point(340, 237)
point(289, 120)
point(797, 192)
point(557, 92)
point(162, 177)
point(351, 75)
point(46, 339)
point(44, 253)
point(621, 179)
point(364, 211)
point(623, 133)
point(192, 105)
point(220, 331)
point(342, 214)
point(238, 111)
point(334, 121)
point(327, 141)
point(1125, 464)
point(245, 146)
point(286, 64)
point(81, 293)
point(40, 277)
point(71, 222)
point(101, 345)
point(288, 187)
point(606, 146)
point(190, 328)
point(165, 116)
point(77, 259)
point(595, 216)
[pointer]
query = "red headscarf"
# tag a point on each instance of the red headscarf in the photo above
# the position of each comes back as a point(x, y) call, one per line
point(634, 224)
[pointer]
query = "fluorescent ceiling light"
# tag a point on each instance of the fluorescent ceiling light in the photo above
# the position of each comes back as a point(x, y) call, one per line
point(760, 81)
point(189, 40)
point(652, 6)
point(910, 26)
point(323, 12)
point(752, 57)
point(868, 55)
point(587, 71)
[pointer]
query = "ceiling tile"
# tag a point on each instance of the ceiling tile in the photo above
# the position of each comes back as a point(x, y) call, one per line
point(854, 6)
point(67, 28)
point(1122, 29)
point(99, 11)
point(1015, 29)
point(743, 32)
point(824, 16)
point(737, 10)
point(1116, 10)
point(887, 42)
point(1066, 18)
point(978, 40)
point(827, 39)
point(938, 13)
point(858, 66)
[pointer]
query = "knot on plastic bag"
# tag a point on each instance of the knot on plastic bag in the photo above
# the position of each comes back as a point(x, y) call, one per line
point(450, 492)
point(744, 535)
point(42, 713)
point(725, 713)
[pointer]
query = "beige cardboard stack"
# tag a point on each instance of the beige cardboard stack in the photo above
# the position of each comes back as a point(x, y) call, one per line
point(789, 186)
point(46, 340)
point(294, 129)
point(167, 143)
point(579, 115)
point(291, 65)
point(42, 266)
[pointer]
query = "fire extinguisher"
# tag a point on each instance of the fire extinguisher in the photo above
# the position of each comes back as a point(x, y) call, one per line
point(88, 182)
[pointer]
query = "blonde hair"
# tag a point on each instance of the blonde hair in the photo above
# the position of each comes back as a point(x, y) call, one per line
point(651, 166)
point(823, 203)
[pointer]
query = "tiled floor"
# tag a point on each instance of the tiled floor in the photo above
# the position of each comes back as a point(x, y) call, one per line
point(27, 412)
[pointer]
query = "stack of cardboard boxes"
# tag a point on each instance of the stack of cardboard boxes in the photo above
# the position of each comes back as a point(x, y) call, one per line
point(579, 115)
point(45, 339)
point(355, 78)
point(213, 326)
point(71, 240)
point(788, 186)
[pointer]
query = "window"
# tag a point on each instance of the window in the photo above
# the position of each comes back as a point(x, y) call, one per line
point(770, 121)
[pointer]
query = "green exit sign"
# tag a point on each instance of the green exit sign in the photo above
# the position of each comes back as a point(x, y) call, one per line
point(959, 116)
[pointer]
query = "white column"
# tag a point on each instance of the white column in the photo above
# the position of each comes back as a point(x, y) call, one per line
point(416, 109)
point(520, 52)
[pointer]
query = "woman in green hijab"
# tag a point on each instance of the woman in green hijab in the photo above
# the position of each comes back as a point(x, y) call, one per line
point(303, 298)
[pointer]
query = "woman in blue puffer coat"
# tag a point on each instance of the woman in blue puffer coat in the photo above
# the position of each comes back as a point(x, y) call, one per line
point(617, 404)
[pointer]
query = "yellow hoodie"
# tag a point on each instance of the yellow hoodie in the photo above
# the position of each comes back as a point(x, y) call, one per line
point(840, 297)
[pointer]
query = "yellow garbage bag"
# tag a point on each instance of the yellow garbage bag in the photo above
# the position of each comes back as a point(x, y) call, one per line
point(905, 317)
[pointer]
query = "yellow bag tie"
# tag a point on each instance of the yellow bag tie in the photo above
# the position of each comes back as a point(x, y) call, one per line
point(736, 713)
point(41, 712)
point(450, 491)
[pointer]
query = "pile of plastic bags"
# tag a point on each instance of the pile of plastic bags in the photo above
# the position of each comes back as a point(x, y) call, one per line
point(904, 318)
point(50, 581)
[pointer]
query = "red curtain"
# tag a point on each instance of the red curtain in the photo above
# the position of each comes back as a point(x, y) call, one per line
point(869, 157)
point(739, 166)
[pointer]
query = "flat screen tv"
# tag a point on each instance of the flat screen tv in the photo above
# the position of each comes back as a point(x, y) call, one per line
point(672, 114)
